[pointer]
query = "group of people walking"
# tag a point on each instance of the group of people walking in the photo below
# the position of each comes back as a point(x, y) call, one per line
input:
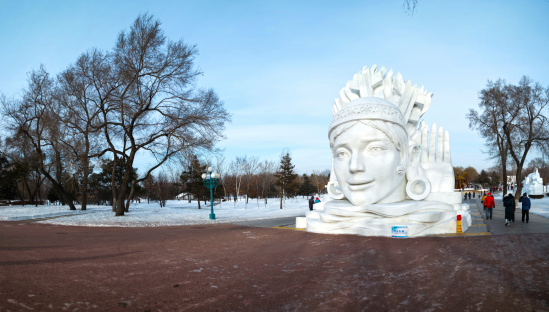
point(468, 195)
point(509, 204)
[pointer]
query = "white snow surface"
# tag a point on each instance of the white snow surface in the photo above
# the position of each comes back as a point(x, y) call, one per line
point(176, 212)
point(180, 212)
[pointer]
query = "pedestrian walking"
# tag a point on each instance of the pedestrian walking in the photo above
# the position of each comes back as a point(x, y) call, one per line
point(469, 195)
point(526, 203)
point(489, 204)
point(311, 202)
point(509, 204)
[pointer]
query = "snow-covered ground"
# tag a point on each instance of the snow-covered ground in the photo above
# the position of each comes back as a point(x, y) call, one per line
point(181, 213)
point(175, 213)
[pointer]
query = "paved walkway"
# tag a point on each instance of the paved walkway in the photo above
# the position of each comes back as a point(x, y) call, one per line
point(229, 267)
point(496, 225)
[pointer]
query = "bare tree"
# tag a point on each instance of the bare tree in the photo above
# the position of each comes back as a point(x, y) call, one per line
point(250, 168)
point(320, 179)
point(267, 170)
point(83, 88)
point(495, 112)
point(163, 189)
point(141, 98)
point(532, 124)
point(156, 108)
point(409, 6)
point(513, 119)
point(32, 118)
point(237, 170)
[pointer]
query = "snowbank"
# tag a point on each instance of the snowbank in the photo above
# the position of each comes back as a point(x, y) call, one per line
point(143, 214)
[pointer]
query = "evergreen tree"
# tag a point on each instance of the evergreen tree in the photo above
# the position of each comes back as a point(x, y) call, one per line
point(8, 182)
point(483, 178)
point(191, 180)
point(306, 188)
point(286, 178)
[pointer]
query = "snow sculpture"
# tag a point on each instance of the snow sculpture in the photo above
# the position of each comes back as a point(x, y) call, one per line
point(385, 173)
point(533, 183)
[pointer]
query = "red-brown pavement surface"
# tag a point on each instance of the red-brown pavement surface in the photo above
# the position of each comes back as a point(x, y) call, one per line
point(239, 268)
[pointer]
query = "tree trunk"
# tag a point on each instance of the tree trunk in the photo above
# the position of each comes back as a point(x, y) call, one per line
point(29, 191)
point(84, 187)
point(113, 187)
point(66, 197)
point(519, 185)
point(86, 169)
point(120, 207)
point(127, 209)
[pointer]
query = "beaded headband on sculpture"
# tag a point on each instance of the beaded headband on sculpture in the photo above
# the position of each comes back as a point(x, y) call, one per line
point(371, 108)
point(378, 94)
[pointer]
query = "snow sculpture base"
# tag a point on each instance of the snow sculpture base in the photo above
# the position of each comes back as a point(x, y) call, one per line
point(442, 215)
point(300, 222)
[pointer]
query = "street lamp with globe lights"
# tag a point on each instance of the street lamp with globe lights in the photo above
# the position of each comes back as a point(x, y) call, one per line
point(211, 180)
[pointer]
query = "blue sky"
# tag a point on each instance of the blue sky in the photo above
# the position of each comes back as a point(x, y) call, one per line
point(279, 65)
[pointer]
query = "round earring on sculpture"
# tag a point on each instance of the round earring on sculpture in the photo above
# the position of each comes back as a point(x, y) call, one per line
point(334, 190)
point(418, 186)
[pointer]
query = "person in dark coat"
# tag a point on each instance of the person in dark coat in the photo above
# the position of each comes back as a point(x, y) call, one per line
point(509, 204)
point(525, 207)
point(311, 202)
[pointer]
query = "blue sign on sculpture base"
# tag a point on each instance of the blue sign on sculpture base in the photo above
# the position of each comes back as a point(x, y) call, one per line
point(400, 231)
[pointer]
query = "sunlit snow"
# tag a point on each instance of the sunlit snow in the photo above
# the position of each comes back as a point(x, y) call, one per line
point(176, 212)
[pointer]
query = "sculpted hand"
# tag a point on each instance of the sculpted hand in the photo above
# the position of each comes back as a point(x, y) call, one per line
point(436, 160)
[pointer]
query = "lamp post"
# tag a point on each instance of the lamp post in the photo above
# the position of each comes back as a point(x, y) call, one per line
point(211, 180)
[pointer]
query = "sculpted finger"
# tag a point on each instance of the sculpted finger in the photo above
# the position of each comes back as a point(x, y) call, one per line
point(432, 143)
point(424, 144)
point(447, 156)
point(439, 144)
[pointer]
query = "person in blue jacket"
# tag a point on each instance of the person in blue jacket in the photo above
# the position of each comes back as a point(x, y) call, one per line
point(525, 207)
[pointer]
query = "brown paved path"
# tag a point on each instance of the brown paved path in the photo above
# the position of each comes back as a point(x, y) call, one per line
point(239, 268)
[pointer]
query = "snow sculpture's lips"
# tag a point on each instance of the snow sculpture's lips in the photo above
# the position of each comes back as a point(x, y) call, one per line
point(358, 185)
